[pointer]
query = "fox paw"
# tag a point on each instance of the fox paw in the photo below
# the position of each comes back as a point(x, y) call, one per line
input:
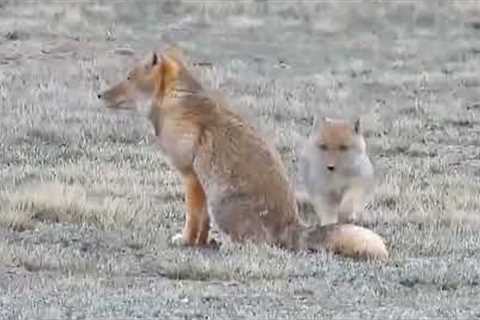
point(178, 241)
point(302, 197)
point(214, 244)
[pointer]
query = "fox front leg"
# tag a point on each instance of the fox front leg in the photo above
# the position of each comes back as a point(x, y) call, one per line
point(326, 212)
point(349, 206)
point(197, 224)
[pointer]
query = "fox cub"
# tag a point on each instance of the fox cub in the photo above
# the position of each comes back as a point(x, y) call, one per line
point(335, 170)
point(232, 176)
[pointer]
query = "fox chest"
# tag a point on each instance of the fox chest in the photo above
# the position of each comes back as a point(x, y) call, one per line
point(176, 142)
point(326, 182)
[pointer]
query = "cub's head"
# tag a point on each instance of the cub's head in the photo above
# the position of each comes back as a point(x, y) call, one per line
point(338, 141)
point(157, 76)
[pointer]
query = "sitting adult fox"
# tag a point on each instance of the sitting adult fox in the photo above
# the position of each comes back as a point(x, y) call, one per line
point(232, 176)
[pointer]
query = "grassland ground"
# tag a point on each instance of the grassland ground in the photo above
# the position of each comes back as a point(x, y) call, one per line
point(88, 202)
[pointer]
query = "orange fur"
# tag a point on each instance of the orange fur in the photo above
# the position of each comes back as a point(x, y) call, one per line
point(197, 222)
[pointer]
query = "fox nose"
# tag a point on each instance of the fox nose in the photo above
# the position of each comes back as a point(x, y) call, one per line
point(99, 96)
point(330, 167)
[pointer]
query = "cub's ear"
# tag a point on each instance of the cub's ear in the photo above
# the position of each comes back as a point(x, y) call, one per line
point(298, 143)
point(154, 59)
point(319, 120)
point(357, 128)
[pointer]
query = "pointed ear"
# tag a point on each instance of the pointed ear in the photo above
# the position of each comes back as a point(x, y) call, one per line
point(318, 121)
point(151, 60)
point(356, 126)
point(298, 141)
point(176, 53)
point(170, 66)
point(314, 126)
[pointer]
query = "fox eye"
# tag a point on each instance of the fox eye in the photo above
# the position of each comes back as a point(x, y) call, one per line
point(322, 147)
point(343, 147)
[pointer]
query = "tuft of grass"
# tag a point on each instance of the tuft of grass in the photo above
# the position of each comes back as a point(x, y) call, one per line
point(232, 262)
point(54, 202)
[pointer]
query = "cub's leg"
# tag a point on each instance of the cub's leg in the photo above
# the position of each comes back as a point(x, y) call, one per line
point(351, 203)
point(326, 210)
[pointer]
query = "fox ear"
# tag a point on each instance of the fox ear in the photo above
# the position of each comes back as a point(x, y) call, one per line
point(356, 126)
point(176, 53)
point(151, 60)
point(318, 120)
point(314, 125)
point(170, 66)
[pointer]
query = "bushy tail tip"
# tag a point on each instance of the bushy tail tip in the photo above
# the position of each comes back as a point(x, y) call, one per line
point(354, 241)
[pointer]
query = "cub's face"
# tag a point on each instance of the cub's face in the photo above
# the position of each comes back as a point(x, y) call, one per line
point(338, 143)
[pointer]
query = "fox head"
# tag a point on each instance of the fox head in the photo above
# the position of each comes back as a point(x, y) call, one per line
point(339, 143)
point(157, 76)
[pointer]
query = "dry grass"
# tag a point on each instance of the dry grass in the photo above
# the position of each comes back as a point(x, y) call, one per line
point(88, 203)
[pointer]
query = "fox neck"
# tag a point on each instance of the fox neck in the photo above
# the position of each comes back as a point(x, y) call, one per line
point(182, 104)
point(177, 86)
point(185, 87)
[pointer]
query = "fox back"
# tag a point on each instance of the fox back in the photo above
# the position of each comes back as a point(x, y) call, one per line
point(247, 187)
